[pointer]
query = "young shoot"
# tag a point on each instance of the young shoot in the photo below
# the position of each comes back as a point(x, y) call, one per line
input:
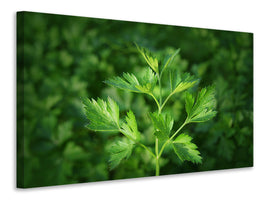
point(105, 115)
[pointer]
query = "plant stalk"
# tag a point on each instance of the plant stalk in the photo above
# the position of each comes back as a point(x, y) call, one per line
point(140, 144)
point(155, 100)
point(161, 107)
point(157, 140)
point(178, 130)
point(157, 166)
point(160, 92)
point(164, 145)
point(145, 147)
point(157, 157)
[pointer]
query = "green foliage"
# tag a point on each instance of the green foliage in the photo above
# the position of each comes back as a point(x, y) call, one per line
point(127, 82)
point(63, 134)
point(129, 129)
point(168, 60)
point(101, 116)
point(63, 58)
point(202, 108)
point(162, 123)
point(104, 116)
point(119, 151)
point(185, 149)
point(131, 83)
point(158, 63)
point(151, 59)
point(179, 83)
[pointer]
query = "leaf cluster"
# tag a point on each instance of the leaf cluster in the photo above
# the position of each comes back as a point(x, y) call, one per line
point(105, 116)
point(132, 83)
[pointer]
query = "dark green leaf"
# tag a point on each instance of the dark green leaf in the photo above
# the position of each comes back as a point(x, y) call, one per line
point(64, 132)
point(74, 152)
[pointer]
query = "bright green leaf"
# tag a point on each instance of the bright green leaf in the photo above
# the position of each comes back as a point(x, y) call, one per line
point(126, 82)
point(114, 110)
point(147, 81)
point(202, 108)
point(103, 116)
point(151, 59)
point(161, 136)
point(179, 83)
point(162, 123)
point(119, 151)
point(168, 60)
point(129, 129)
point(189, 102)
point(185, 149)
point(141, 84)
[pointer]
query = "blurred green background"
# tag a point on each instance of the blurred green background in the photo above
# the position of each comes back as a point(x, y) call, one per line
point(62, 58)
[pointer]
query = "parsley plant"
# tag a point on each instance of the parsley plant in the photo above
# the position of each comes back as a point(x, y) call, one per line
point(105, 115)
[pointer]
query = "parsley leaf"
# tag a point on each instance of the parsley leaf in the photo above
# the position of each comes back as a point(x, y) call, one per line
point(129, 129)
point(179, 83)
point(202, 108)
point(163, 124)
point(126, 82)
point(168, 59)
point(120, 150)
point(185, 149)
point(143, 84)
point(151, 59)
point(103, 116)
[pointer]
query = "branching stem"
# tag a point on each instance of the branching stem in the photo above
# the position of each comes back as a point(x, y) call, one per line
point(156, 139)
point(161, 107)
point(157, 166)
point(160, 91)
point(140, 144)
point(145, 147)
point(155, 100)
point(171, 138)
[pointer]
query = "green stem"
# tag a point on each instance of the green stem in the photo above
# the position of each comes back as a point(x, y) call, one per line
point(157, 153)
point(164, 145)
point(166, 101)
point(145, 147)
point(155, 100)
point(178, 130)
point(156, 139)
point(140, 144)
point(160, 90)
point(157, 146)
point(157, 166)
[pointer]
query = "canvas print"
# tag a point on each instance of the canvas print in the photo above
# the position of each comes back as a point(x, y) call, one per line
point(101, 99)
